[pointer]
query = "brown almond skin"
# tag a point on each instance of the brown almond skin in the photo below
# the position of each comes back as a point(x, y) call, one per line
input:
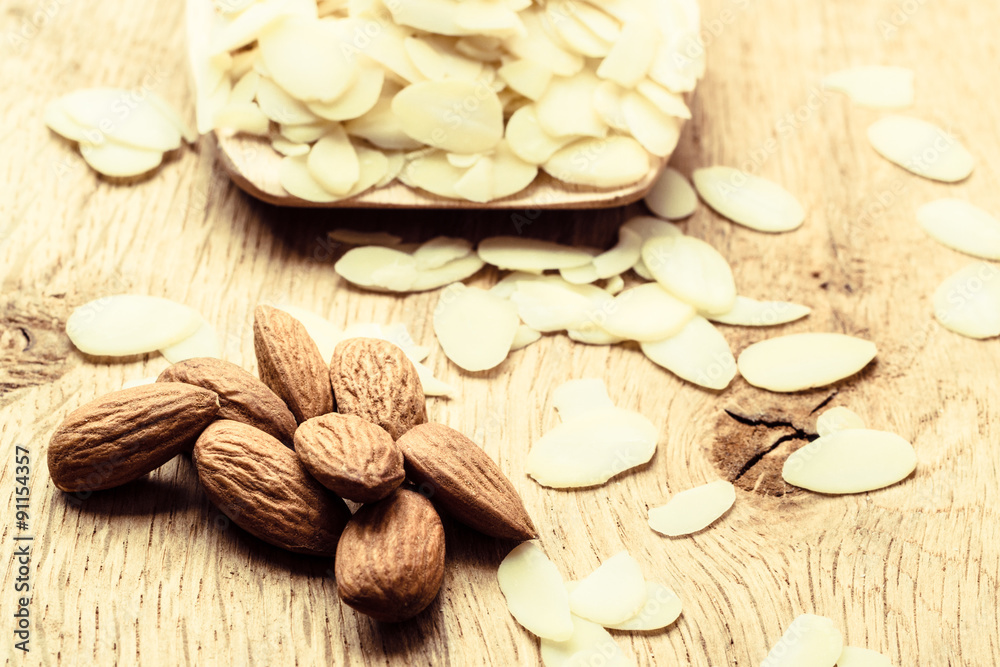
point(351, 456)
point(374, 380)
point(457, 474)
point(263, 487)
point(122, 436)
point(390, 562)
point(242, 397)
point(289, 362)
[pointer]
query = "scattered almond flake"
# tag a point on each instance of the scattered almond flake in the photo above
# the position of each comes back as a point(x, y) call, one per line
point(749, 200)
point(305, 134)
point(126, 324)
point(698, 354)
point(747, 312)
point(528, 140)
point(622, 257)
point(454, 271)
point(921, 147)
point(535, 44)
point(694, 509)
point(464, 161)
point(476, 184)
point(432, 386)
point(333, 162)
point(874, 86)
point(566, 108)
point(296, 179)
point(596, 20)
point(614, 285)
point(691, 270)
point(968, 301)
point(434, 173)
point(291, 47)
point(246, 27)
point(804, 360)
point(426, 110)
point(632, 54)
point(378, 267)
point(668, 102)
point(527, 77)
point(610, 162)
point(281, 107)
point(672, 197)
point(578, 398)
point(646, 313)
point(474, 327)
point(245, 89)
point(510, 173)
point(962, 226)
point(358, 100)
point(289, 148)
point(649, 227)
point(613, 593)
point(524, 337)
point(809, 640)
point(552, 304)
point(396, 163)
point(590, 644)
point(120, 161)
point(436, 60)
point(138, 382)
point(574, 33)
point(126, 117)
point(323, 332)
point(359, 237)
point(531, 255)
point(204, 342)
point(608, 105)
point(656, 131)
point(850, 461)
point(662, 608)
point(591, 449)
point(57, 120)
point(837, 419)
point(381, 126)
point(580, 275)
point(853, 656)
point(593, 336)
point(536, 597)
point(245, 117)
point(439, 251)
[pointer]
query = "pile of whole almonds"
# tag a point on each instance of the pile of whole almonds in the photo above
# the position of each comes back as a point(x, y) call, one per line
point(280, 455)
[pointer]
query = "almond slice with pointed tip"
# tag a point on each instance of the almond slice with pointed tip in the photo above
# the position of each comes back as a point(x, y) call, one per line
point(656, 131)
point(698, 354)
point(749, 200)
point(853, 656)
point(874, 86)
point(474, 327)
point(590, 644)
point(580, 275)
point(837, 419)
point(622, 257)
point(962, 226)
point(804, 360)
point(381, 126)
point(668, 102)
point(672, 197)
point(613, 593)
point(747, 312)
point(693, 510)
point(126, 324)
point(333, 162)
point(440, 250)
point(204, 342)
point(607, 162)
point(357, 100)
point(427, 112)
point(578, 398)
point(290, 48)
point(437, 61)
point(922, 148)
point(524, 337)
point(632, 54)
point(532, 255)
point(608, 105)
point(454, 271)
point(649, 227)
point(126, 117)
point(850, 461)
point(476, 184)
point(809, 640)
point(536, 44)
point(526, 77)
point(375, 266)
point(968, 301)
point(566, 108)
point(691, 270)
point(120, 161)
point(245, 117)
point(57, 120)
point(646, 313)
point(553, 304)
point(535, 594)
point(528, 140)
point(281, 107)
point(662, 608)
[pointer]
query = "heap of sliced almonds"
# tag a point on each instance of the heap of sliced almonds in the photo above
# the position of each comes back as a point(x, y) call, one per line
point(466, 99)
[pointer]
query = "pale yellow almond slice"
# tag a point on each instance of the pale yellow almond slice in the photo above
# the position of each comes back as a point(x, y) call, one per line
point(524, 337)
point(622, 257)
point(662, 608)
point(464, 161)
point(305, 134)
point(590, 644)
point(433, 16)
point(526, 77)
point(672, 196)
point(962, 226)
point(556, 305)
point(608, 97)
point(245, 117)
point(535, 594)
point(289, 148)
point(614, 285)
point(489, 18)
point(333, 162)
point(120, 161)
point(437, 61)
point(566, 108)
point(296, 179)
point(476, 184)
point(694, 509)
point(853, 656)
point(57, 120)
point(837, 419)
point(577, 36)
point(748, 312)
point(375, 266)
point(597, 21)
point(474, 327)
point(507, 285)
point(649, 227)
point(809, 640)
point(804, 360)
point(578, 398)
point(632, 54)
point(536, 44)
point(245, 88)
point(749, 200)
point(432, 386)
point(290, 48)
point(243, 62)
point(528, 140)
point(646, 313)
point(127, 117)
point(381, 126)
point(204, 342)
point(675, 66)
point(588, 450)
point(325, 334)
point(446, 274)
point(427, 113)
point(518, 253)
point(440, 250)
point(357, 100)
point(247, 26)
point(126, 324)
point(874, 86)
point(853, 460)
point(610, 162)
point(668, 102)
point(593, 336)
point(580, 275)
point(691, 270)
point(922, 148)
point(641, 270)
point(396, 161)
point(511, 173)
point(968, 301)
point(433, 172)
point(698, 354)
point(281, 107)
point(613, 593)
point(655, 130)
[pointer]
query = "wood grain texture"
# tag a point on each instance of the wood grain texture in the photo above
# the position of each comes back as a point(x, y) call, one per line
point(152, 574)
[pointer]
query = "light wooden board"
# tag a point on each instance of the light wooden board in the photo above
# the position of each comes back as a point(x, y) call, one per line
point(152, 574)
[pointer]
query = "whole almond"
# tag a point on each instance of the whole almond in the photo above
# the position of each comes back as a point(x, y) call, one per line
point(262, 486)
point(242, 397)
point(290, 363)
point(390, 562)
point(455, 473)
point(351, 456)
point(374, 380)
point(124, 435)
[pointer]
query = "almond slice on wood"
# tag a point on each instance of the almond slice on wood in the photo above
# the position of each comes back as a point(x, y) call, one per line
point(747, 312)
point(334, 163)
point(578, 398)
point(693, 509)
point(524, 337)
point(804, 360)
point(809, 640)
point(672, 196)
point(607, 162)
point(535, 593)
point(378, 267)
point(837, 419)
point(120, 116)
point(874, 86)
point(426, 110)
point(532, 255)
point(968, 301)
point(552, 304)
point(474, 327)
point(119, 161)
point(613, 593)
point(622, 257)
point(698, 353)
point(290, 48)
point(962, 226)
point(850, 461)
point(646, 313)
point(440, 250)
point(662, 608)
point(590, 644)
point(691, 270)
point(749, 200)
point(127, 324)
point(922, 148)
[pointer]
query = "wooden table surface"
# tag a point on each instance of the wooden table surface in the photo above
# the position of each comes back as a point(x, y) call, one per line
point(152, 574)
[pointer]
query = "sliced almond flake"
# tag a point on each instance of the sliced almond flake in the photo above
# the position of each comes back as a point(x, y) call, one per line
point(597, 21)
point(526, 77)
point(289, 148)
point(748, 312)
point(305, 134)
point(531, 255)
point(296, 179)
point(649, 227)
point(396, 162)
point(646, 313)
point(292, 46)
point(590, 644)
point(138, 382)
point(874, 86)
point(511, 174)
point(434, 173)
point(436, 60)
point(804, 360)
point(566, 108)
point(853, 656)
point(208, 74)
point(668, 102)
point(127, 324)
point(507, 285)
point(243, 62)
point(968, 301)
point(850, 461)
point(528, 140)
point(591, 449)
point(246, 27)
point(672, 197)
point(127, 117)
point(375, 266)
point(655, 130)
point(474, 327)
point(536, 44)
point(632, 54)
point(381, 126)
point(359, 237)
point(593, 336)
point(120, 161)
point(662, 608)
point(245, 89)
point(578, 398)
point(698, 354)
point(556, 305)
point(243, 117)
point(281, 107)
point(622, 257)
point(577, 36)
point(433, 16)
point(694, 509)
point(535, 594)
point(453, 271)
point(57, 120)
point(358, 100)
point(962, 226)
point(749, 200)
point(607, 102)
point(610, 162)
point(476, 184)
point(614, 285)
point(613, 593)
point(187, 132)
point(524, 337)
point(642, 271)
point(837, 419)
point(204, 342)
point(333, 162)
point(431, 385)
point(922, 148)
point(427, 112)
point(691, 270)
point(809, 640)
point(386, 46)
point(580, 275)
point(440, 250)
